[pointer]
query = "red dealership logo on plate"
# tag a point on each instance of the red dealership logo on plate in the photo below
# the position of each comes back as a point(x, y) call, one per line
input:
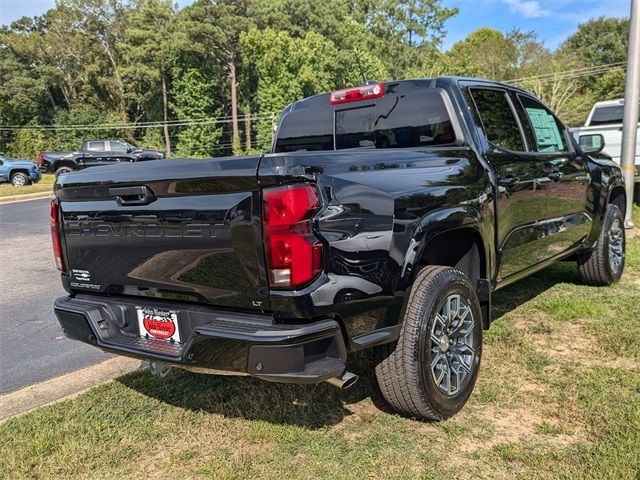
point(162, 329)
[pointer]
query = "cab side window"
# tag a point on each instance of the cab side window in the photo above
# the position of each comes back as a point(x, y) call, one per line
point(95, 146)
point(498, 121)
point(118, 147)
point(548, 132)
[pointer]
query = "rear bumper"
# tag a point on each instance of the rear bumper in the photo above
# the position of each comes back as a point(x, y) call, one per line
point(213, 341)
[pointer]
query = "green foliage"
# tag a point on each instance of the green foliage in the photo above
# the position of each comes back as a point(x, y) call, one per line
point(600, 41)
point(28, 143)
point(288, 69)
point(80, 116)
point(86, 62)
point(192, 94)
point(152, 138)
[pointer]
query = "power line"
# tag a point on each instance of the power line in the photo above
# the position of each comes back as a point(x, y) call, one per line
point(567, 74)
point(134, 126)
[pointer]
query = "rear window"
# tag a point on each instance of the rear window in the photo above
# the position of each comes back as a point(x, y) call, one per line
point(418, 119)
point(609, 115)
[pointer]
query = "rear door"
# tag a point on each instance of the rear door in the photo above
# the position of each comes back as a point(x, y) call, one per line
point(95, 154)
point(521, 194)
point(567, 178)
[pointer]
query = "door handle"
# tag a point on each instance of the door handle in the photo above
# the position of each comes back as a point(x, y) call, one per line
point(130, 196)
point(508, 181)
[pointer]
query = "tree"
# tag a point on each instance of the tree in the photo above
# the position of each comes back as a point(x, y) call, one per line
point(152, 42)
point(601, 41)
point(407, 30)
point(484, 53)
point(217, 26)
point(288, 69)
point(192, 99)
point(103, 22)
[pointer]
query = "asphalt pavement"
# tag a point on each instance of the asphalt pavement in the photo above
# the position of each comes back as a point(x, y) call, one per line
point(32, 345)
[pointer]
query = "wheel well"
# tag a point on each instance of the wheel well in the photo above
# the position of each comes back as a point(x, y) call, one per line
point(618, 197)
point(18, 170)
point(65, 163)
point(461, 248)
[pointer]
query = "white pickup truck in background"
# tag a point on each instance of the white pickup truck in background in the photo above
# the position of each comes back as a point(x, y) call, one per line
point(606, 119)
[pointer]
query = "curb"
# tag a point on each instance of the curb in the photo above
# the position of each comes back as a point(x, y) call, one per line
point(64, 387)
point(25, 197)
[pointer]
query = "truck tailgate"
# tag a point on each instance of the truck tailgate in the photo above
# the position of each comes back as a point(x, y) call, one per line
point(186, 230)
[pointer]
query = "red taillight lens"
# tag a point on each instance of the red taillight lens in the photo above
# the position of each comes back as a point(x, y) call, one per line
point(41, 158)
point(294, 254)
point(55, 234)
point(358, 93)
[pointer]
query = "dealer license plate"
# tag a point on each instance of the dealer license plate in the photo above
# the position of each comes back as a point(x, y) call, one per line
point(158, 323)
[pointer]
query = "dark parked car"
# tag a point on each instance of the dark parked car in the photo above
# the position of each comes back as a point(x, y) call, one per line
point(384, 218)
point(18, 172)
point(95, 153)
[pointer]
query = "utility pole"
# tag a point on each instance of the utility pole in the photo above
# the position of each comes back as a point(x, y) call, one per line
point(631, 103)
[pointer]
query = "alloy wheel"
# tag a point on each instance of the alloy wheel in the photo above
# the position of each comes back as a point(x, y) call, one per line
point(616, 245)
point(451, 345)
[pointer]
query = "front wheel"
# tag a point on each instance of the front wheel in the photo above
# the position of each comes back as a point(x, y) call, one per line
point(20, 179)
point(605, 263)
point(430, 372)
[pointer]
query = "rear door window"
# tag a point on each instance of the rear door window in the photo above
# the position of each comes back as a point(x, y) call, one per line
point(548, 132)
point(498, 122)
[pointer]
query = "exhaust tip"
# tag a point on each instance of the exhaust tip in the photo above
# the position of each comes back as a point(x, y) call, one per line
point(344, 381)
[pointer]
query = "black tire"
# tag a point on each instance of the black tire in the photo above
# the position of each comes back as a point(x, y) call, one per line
point(404, 368)
point(20, 179)
point(64, 169)
point(605, 263)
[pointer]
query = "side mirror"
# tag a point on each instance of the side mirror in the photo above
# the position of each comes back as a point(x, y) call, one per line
point(129, 149)
point(591, 143)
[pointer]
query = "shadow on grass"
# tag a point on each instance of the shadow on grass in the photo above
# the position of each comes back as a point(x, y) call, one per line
point(308, 406)
point(509, 298)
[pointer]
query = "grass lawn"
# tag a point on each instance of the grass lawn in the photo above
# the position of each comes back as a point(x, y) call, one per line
point(44, 185)
point(558, 397)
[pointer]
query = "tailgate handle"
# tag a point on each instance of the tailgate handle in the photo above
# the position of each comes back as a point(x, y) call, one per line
point(125, 196)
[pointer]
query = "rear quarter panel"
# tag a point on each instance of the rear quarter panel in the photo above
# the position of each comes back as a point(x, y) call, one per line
point(381, 208)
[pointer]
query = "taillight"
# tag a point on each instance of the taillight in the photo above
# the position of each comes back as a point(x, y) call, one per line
point(294, 254)
point(358, 93)
point(55, 234)
point(41, 158)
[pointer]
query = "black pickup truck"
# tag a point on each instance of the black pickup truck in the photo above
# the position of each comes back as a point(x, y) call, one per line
point(95, 153)
point(385, 217)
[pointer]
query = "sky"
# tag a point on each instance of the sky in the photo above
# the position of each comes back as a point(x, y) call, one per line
point(552, 20)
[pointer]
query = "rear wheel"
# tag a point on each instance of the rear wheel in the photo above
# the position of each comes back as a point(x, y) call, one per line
point(605, 263)
point(20, 179)
point(430, 372)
